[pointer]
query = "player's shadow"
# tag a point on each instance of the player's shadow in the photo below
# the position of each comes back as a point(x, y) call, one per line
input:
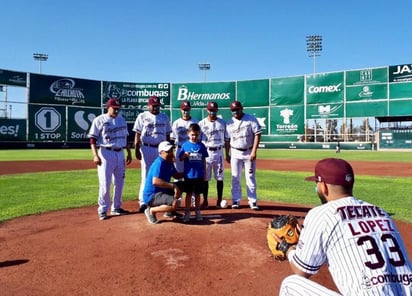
point(13, 262)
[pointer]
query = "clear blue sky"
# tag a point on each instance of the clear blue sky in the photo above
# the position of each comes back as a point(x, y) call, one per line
point(164, 40)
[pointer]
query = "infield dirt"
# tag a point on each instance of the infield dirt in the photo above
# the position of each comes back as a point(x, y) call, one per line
point(71, 252)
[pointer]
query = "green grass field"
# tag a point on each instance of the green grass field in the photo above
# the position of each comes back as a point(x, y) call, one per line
point(33, 193)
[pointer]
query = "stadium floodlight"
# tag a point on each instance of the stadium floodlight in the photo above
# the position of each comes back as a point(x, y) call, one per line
point(314, 47)
point(40, 57)
point(204, 67)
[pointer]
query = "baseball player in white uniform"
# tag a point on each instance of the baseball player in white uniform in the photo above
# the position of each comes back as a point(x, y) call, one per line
point(108, 138)
point(179, 131)
point(151, 128)
point(244, 132)
point(215, 138)
point(358, 241)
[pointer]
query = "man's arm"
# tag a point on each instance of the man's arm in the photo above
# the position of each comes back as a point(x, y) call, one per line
point(93, 147)
point(137, 143)
point(256, 142)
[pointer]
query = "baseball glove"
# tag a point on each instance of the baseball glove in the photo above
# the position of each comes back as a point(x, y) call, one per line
point(283, 232)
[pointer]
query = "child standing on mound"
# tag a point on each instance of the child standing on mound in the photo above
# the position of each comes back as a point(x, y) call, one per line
point(193, 153)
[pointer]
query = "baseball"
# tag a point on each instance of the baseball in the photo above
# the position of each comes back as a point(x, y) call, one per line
point(223, 204)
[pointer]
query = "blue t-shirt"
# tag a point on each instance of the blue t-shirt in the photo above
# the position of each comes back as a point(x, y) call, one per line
point(193, 165)
point(161, 169)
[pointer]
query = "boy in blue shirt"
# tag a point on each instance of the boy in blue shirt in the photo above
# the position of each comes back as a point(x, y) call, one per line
point(193, 153)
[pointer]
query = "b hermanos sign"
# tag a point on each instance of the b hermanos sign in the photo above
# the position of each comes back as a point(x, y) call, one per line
point(199, 94)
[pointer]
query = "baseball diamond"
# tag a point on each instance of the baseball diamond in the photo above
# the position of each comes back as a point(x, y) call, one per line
point(53, 254)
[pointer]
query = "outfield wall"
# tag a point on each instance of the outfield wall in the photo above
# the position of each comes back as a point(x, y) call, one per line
point(317, 108)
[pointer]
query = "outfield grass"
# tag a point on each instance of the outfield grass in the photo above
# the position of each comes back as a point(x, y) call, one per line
point(26, 194)
point(85, 154)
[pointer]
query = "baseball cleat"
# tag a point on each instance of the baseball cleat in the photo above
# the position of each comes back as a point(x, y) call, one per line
point(103, 216)
point(119, 212)
point(253, 206)
point(236, 205)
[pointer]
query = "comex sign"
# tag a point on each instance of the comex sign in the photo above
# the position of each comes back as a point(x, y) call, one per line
point(48, 120)
point(324, 89)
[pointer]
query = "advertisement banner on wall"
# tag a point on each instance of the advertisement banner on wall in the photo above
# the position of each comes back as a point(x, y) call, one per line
point(135, 96)
point(366, 76)
point(79, 122)
point(59, 90)
point(366, 84)
point(287, 91)
point(199, 94)
point(324, 111)
point(47, 124)
point(400, 73)
point(262, 116)
point(12, 129)
point(367, 92)
point(366, 109)
point(13, 78)
point(287, 120)
point(402, 90)
point(253, 93)
point(400, 108)
point(325, 88)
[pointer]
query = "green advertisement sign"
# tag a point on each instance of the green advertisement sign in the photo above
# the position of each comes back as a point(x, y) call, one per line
point(253, 93)
point(402, 90)
point(366, 109)
point(134, 96)
point(47, 124)
point(199, 94)
point(287, 91)
point(79, 121)
point(262, 116)
point(366, 76)
point(367, 92)
point(287, 120)
point(324, 111)
point(400, 107)
point(12, 129)
point(13, 78)
point(325, 88)
point(57, 90)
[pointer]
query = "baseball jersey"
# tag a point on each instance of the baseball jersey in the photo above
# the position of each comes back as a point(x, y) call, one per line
point(161, 169)
point(193, 165)
point(179, 130)
point(361, 245)
point(214, 133)
point(152, 128)
point(109, 132)
point(242, 133)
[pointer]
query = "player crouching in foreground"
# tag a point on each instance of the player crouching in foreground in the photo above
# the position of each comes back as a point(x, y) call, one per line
point(159, 193)
point(359, 242)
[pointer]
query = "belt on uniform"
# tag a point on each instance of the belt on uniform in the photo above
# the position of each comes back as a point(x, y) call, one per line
point(242, 149)
point(151, 145)
point(113, 149)
point(214, 148)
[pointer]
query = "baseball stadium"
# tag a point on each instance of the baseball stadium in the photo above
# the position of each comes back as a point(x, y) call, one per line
point(52, 242)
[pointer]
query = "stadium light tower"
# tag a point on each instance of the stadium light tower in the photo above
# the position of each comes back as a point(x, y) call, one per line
point(314, 47)
point(41, 57)
point(204, 67)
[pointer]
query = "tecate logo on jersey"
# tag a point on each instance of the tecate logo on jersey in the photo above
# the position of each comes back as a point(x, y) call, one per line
point(324, 89)
point(184, 94)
